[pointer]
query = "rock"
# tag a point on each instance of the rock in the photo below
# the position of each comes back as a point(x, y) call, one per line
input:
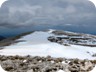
point(94, 55)
point(24, 61)
point(44, 64)
point(30, 70)
point(87, 66)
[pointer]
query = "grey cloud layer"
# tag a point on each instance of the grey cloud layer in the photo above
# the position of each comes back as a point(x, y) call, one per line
point(47, 12)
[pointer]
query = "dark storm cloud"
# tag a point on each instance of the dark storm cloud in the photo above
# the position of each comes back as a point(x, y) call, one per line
point(14, 13)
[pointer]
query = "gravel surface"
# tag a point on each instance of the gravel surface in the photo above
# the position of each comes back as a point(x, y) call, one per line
point(44, 64)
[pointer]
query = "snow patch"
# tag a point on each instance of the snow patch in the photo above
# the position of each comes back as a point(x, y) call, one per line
point(2, 70)
point(36, 44)
point(94, 69)
point(60, 71)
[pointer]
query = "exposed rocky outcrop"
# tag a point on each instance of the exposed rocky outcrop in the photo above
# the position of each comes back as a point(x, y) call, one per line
point(44, 64)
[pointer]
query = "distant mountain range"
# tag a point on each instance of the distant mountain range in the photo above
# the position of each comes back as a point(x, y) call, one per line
point(2, 38)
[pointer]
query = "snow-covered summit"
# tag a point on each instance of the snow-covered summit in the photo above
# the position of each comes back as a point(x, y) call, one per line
point(37, 44)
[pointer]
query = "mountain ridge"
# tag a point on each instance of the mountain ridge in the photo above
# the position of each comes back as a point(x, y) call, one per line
point(38, 43)
point(11, 40)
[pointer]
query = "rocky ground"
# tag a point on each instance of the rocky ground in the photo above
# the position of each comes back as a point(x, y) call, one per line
point(44, 64)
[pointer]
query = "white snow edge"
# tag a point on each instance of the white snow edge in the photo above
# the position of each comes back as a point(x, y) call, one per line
point(1, 69)
point(94, 69)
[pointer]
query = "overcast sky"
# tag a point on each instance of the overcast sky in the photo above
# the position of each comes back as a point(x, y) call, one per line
point(47, 14)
